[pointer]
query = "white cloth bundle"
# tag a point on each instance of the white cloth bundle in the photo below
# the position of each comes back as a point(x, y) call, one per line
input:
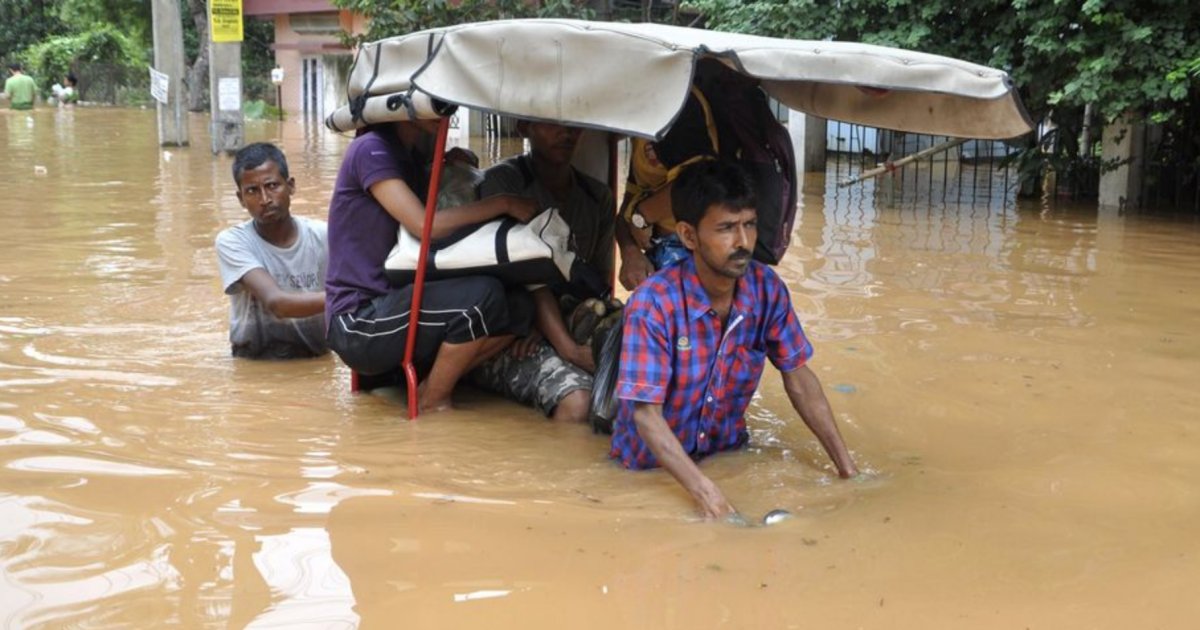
point(533, 253)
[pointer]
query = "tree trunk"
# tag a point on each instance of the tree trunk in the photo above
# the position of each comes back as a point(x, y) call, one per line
point(197, 73)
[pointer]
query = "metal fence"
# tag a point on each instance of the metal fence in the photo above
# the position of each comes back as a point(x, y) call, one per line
point(1170, 170)
point(109, 83)
point(972, 173)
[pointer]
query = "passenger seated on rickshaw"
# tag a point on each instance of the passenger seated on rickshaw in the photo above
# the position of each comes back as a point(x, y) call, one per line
point(550, 369)
point(726, 116)
point(646, 235)
point(464, 321)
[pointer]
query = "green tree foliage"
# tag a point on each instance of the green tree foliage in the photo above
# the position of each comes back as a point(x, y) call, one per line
point(1186, 71)
point(134, 16)
point(398, 17)
point(1114, 54)
point(103, 57)
point(26, 22)
point(1117, 55)
point(53, 37)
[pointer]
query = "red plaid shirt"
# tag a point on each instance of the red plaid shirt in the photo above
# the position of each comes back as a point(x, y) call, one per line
point(674, 353)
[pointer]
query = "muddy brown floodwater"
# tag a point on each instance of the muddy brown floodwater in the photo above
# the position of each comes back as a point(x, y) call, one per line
point(1017, 382)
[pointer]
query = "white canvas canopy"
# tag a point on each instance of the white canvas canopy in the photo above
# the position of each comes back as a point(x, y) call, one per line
point(633, 78)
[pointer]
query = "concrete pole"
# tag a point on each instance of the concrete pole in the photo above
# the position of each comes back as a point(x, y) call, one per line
point(808, 140)
point(168, 59)
point(225, 88)
point(1123, 141)
point(815, 144)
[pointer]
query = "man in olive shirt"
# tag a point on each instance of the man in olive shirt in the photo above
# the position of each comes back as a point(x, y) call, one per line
point(19, 88)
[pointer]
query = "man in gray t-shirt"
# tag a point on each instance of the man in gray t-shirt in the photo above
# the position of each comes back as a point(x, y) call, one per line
point(272, 266)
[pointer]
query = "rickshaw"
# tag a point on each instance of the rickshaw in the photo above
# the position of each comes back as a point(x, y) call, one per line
point(633, 80)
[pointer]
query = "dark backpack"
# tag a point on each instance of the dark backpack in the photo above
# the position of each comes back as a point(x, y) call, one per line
point(750, 134)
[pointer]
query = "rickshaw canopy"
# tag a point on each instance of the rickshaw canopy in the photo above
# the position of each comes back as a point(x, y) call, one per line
point(633, 79)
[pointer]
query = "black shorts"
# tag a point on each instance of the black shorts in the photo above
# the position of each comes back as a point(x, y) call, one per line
point(371, 339)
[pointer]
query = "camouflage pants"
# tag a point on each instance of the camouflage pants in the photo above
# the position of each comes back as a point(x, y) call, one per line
point(540, 380)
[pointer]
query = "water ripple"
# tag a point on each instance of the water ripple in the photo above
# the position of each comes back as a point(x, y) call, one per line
point(86, 466)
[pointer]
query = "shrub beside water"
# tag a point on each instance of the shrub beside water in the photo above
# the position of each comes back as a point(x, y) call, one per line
point(108, 64)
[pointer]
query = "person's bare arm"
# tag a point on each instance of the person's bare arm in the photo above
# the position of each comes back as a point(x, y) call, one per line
point(282, 304)
point(653, 429)
point(804, 390)
point(549, 321)
point(657, 207)
point(399, 200)
point(635, 266)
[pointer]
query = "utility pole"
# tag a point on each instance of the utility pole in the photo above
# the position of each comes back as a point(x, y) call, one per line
point(168, 59)
point(225, 74)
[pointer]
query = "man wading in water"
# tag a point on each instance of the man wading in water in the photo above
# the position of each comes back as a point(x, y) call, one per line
point(272, 266)
point(697, 335)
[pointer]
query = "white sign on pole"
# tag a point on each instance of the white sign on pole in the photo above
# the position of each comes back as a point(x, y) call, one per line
point(229, 94)
point(455, 136)
point(160, 86)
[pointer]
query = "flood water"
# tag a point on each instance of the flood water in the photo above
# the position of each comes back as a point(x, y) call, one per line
point(1018, 384)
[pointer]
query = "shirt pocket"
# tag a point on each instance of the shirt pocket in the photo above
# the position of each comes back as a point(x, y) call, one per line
point(744, 375)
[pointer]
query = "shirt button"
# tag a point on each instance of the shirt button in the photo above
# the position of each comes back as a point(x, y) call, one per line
point(710, 399)
point(702, 436)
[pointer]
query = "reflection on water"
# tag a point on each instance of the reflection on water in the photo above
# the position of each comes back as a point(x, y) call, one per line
point(1014, 379)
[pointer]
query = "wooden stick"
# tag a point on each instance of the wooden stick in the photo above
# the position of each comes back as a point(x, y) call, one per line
point(888, 167)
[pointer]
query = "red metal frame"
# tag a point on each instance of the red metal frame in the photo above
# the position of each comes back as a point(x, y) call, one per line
point(435, 179)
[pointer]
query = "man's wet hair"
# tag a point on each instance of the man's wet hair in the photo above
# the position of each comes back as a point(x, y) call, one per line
point(15, 67)
point(703, 184)
point(255, 155)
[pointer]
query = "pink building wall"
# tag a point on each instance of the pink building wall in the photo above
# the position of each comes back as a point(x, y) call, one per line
point(291, 47)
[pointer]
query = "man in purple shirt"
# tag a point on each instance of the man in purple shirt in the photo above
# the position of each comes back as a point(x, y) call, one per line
point(463, 321)
point(697, 335)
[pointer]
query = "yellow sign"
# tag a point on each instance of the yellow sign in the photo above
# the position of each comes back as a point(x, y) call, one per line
point(225, 20)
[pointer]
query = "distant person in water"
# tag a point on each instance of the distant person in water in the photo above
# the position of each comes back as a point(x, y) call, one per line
point(67, 93)
point(19, 88)
point(272, 266)
point(697, 335)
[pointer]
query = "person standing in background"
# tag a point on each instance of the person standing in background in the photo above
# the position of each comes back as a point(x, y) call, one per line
point(20, 88)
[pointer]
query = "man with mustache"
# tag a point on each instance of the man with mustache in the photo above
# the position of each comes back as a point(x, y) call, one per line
point(548, 369)
point(697, 335)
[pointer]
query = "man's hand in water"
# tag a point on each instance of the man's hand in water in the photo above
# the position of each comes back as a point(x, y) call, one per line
point(661, 441)
point(711, 500)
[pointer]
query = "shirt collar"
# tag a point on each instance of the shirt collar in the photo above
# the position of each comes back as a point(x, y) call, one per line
point(696, 297)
